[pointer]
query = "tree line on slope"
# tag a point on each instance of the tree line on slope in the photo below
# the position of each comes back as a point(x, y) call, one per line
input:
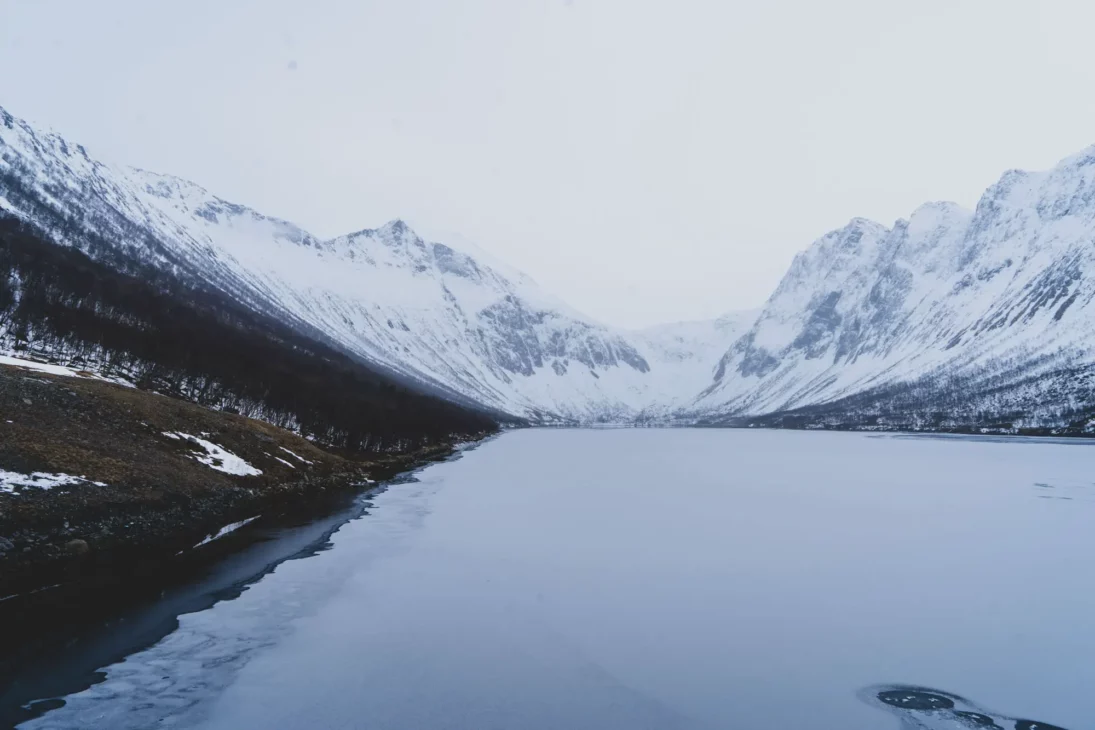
point(1046, 393)
point(199, 344)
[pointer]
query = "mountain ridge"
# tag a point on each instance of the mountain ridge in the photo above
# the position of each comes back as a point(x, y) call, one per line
point(419, 309)
point(946, 294)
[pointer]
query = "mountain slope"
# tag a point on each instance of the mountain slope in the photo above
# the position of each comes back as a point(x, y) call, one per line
point(684, 354)
point(422, 311)
point(146, 328)
point(991, 310)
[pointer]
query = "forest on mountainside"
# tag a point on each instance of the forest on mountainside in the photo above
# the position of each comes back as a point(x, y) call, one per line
point(174, 337)
point(1029, 394)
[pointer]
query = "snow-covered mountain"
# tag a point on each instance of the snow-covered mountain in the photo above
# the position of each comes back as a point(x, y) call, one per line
point(981, 316)
point(683, 354)
point(423, 310)
point(991, 309)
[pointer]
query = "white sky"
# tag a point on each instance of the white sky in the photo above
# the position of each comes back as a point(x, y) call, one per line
point(646, 161)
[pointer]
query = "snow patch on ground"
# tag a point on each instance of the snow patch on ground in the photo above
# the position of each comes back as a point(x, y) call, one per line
point(51, 369)
point(7, 205)
point(216, 457)
point(295, 456)
point(10, 481)
point(225, 530)
point(41, 367)
point(283, 461)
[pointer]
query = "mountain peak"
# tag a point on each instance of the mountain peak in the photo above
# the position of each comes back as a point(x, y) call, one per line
point(397, 228)
point(860, 223)
point(936, 207)
point(1083, 158)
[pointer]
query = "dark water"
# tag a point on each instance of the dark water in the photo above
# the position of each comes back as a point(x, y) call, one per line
point(662, 579)
point(67, 642)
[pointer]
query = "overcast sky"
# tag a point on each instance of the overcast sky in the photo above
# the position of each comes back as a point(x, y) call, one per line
point(645, 160)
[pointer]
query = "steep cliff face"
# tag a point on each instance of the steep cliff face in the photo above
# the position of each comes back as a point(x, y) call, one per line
point(989, 298)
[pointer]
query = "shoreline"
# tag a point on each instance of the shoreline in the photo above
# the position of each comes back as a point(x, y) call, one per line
point(101, 478)
point(178, 532)
point(190, 535)
point(1032, 435)
point(105, 616)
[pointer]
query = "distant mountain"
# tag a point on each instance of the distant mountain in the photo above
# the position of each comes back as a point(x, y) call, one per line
point(421, 310)
point(951, 319)
point(684, 356)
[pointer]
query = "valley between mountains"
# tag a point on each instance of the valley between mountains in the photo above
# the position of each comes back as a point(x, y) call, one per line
point(951, 319)
point(178, 371)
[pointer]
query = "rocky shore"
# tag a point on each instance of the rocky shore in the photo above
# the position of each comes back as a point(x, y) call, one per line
point(100, 479)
